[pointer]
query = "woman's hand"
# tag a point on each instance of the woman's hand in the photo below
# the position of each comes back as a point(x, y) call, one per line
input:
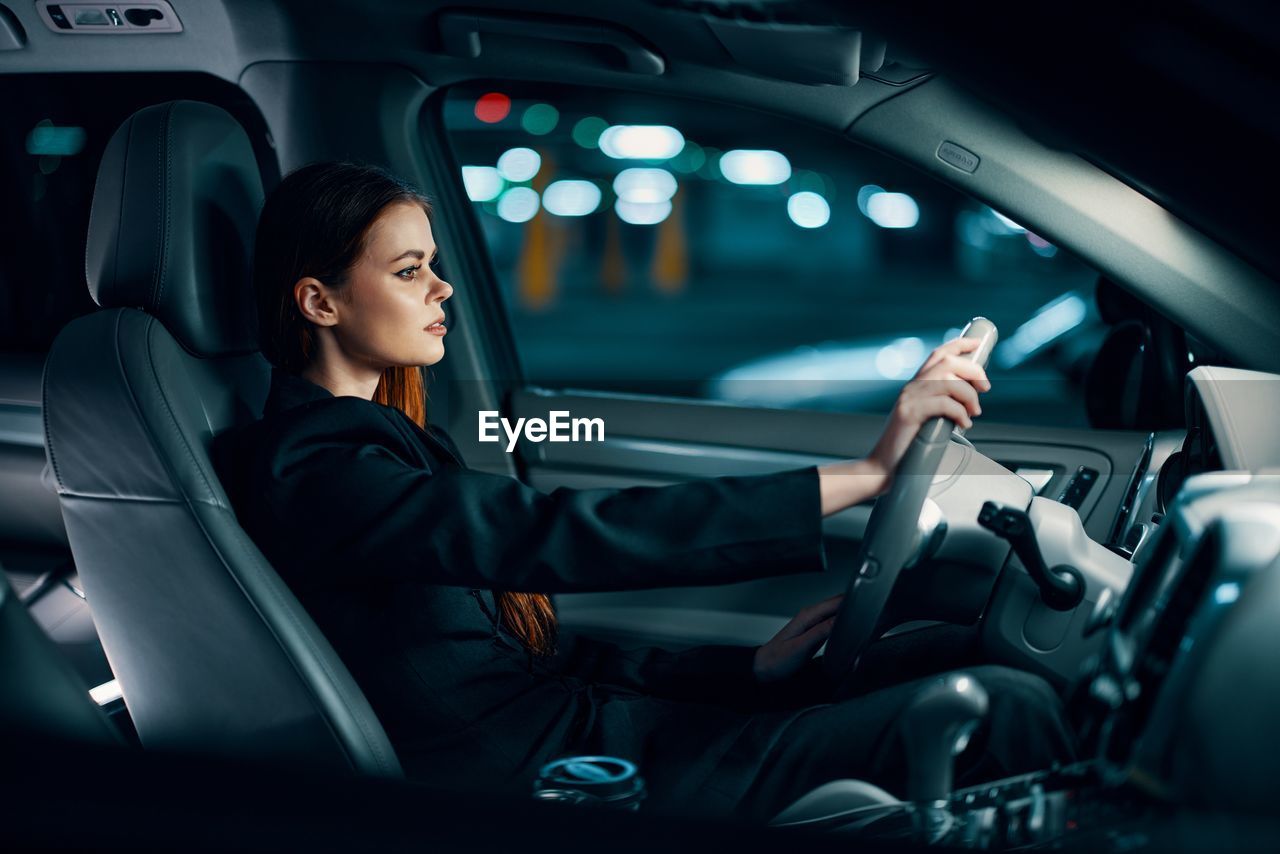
point(946, 385)
point(796, 643)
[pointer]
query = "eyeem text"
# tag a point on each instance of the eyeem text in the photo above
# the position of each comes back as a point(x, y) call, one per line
point(559, 428)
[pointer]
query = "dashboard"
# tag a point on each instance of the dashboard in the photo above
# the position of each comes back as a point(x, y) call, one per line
point(1181, 701)
point(1205, 571)
point(1178, 709)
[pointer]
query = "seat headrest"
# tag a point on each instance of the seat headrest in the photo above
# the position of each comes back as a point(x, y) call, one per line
point(171, 228)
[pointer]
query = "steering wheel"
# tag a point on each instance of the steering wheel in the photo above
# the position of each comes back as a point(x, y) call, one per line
point(891, 539)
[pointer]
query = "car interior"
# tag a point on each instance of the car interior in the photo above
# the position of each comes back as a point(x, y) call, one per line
point(1128, 552)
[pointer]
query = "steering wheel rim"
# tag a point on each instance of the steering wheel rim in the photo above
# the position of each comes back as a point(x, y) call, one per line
point(890, 540)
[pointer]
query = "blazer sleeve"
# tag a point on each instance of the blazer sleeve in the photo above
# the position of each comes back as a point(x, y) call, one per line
point(344, 506)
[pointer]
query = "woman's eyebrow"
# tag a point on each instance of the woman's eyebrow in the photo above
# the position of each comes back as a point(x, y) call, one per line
point(414, 253)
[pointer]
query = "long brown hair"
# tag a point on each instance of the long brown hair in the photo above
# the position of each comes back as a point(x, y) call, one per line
point(316, 223)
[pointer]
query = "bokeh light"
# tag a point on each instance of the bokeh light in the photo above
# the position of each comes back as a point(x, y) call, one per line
point(483, 183)
point(645, 186)
point(808, 210)
point(519, 204)
point(759, 167)
point(492, 107)
point(571, 198)
point(586, 132)
point(519, 164)
point(642, 213)
point(540, 119)
point(893, 210)
point(641, 142)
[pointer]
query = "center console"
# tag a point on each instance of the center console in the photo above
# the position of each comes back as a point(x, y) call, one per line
point(1178, 711)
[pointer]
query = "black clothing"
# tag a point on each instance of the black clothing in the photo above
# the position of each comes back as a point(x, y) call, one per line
point(394, 547)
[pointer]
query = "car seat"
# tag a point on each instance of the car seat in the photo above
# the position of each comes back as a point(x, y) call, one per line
point(212, 651)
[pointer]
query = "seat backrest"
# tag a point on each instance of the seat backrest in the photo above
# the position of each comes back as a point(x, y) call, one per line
point(211, 649)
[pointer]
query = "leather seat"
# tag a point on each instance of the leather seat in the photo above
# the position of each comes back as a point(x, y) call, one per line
point(212, 651)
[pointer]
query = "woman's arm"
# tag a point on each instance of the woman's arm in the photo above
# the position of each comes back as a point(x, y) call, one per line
point(947, 386)
point(338, 504)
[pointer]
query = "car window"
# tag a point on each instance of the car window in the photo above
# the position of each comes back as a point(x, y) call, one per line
point(661, 246)
point(55, 129)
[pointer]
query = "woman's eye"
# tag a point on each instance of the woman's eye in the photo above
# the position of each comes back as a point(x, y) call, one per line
point(412, 271)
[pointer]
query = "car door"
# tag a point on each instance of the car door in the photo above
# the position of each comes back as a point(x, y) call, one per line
point(729, 294)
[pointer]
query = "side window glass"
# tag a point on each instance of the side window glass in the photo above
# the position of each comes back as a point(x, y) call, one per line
point(660, 246)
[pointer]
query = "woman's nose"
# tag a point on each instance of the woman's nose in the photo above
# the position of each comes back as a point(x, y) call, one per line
point(442, 291)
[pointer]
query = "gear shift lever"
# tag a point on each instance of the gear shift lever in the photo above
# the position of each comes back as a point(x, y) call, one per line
point(936, 727)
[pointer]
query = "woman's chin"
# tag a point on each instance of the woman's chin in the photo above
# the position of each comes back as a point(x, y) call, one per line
point(433, 355)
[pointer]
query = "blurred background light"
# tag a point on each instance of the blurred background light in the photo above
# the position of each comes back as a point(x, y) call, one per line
point(642, 213)
point(807, 179)
point(46, 138)
point(492, 107)
point(1050, 322)
point(483, 183)
point(540, 119)
point(645, 185)
point(893, 210)
point(900, 358)
point(808, 210)
point(586, 132)
point(641, 142)
point(519, 204)
point(690, 159)
point(571, 198)
point(519, 164)
point(1040, 246)
point(760, 167)
point(865, 193)
point(710, 168)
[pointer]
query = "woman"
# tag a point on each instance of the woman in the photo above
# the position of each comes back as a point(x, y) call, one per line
point(431, 579)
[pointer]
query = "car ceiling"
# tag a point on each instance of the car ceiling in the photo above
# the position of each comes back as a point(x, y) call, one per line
point(1177, 98)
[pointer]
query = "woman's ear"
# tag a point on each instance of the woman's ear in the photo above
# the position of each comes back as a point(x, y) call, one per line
point(316, 301)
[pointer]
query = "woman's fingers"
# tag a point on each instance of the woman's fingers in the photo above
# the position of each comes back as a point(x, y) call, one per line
point(965, 394)
point(954, 347)
point(957, 367)
point(968, 370)
point(806, 642)
point(811, 615)
point(921, 393)
point(813, 638)
point(831, 604)
point(954, 410)
point(934, 405)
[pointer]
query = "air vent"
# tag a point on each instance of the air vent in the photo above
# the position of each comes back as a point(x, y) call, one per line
point(108, 18)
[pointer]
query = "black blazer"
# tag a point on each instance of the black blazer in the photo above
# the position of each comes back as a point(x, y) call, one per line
point(394, 546)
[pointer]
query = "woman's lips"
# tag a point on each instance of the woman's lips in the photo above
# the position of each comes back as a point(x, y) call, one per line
point(437, 328)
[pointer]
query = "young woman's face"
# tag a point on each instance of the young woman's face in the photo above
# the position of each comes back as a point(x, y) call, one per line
point(394, 315)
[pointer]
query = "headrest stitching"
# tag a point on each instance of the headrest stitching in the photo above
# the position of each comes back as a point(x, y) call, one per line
point(124, 187)
point(163, 224)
